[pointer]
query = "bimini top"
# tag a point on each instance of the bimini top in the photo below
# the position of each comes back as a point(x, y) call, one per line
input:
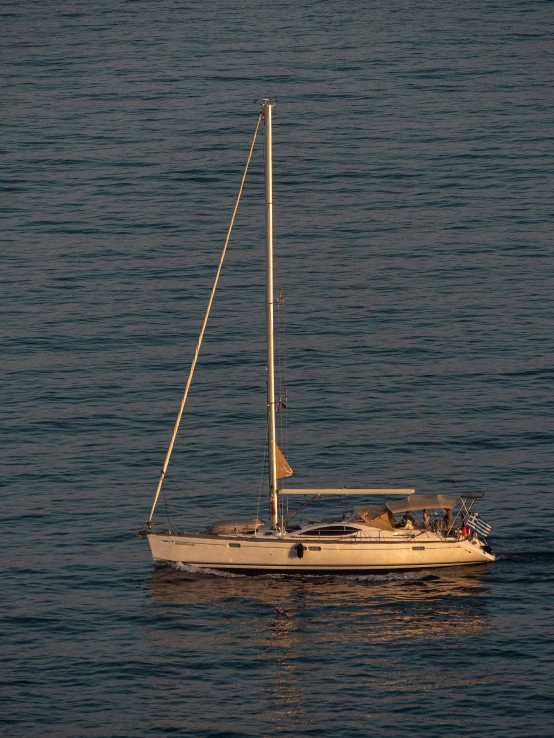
point(423, 502)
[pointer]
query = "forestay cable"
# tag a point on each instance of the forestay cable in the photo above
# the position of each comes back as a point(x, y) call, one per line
point(201, 336)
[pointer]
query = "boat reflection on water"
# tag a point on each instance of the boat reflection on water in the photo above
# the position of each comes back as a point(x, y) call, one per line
point(423, 604)
point(285, 634)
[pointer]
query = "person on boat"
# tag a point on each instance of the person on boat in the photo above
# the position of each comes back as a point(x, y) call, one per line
point(447, 518)
point(425, 515)
point(407, 520)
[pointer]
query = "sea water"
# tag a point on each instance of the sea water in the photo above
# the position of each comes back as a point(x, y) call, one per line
point(413, 226)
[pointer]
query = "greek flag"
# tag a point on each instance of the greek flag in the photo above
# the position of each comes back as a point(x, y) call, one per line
point(479, 526)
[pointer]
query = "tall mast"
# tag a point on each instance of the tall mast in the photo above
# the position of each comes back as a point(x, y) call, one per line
point(266, 110)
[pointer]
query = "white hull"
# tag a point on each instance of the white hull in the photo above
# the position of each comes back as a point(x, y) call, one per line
point(275, 554)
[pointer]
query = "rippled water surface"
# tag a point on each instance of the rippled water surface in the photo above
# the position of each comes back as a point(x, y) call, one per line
point(413, 191)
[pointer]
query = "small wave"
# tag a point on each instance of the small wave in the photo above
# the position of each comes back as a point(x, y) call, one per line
point(190, 569)
point(404, 576)
point(319, 576)
point(384, 577)
point(391, 577)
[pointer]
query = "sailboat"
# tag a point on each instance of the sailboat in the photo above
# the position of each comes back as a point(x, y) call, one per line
point(435, 530)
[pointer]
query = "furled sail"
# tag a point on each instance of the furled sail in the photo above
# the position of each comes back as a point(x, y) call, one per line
point(377, 516)
point(283, 466)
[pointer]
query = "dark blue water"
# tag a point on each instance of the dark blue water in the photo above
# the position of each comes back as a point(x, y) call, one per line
point(414, 153)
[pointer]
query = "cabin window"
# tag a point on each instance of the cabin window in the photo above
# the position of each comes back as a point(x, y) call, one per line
point(234, 545)
point(314, 548)
point(331, 530)
point(418, 548)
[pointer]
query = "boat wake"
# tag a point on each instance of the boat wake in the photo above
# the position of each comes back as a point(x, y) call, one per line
point(390, 577)
point(191, 569)
point(406, 576)
point(364, 578)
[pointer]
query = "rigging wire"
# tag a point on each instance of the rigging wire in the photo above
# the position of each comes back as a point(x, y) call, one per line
point(170, 526)
point(283, 386)
point(279, 406)
point(280, 343)
point(204, 324)
point(266, 449)
point(323, 211)
point(209, 513)
point(377, 326)
point(283, 376)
